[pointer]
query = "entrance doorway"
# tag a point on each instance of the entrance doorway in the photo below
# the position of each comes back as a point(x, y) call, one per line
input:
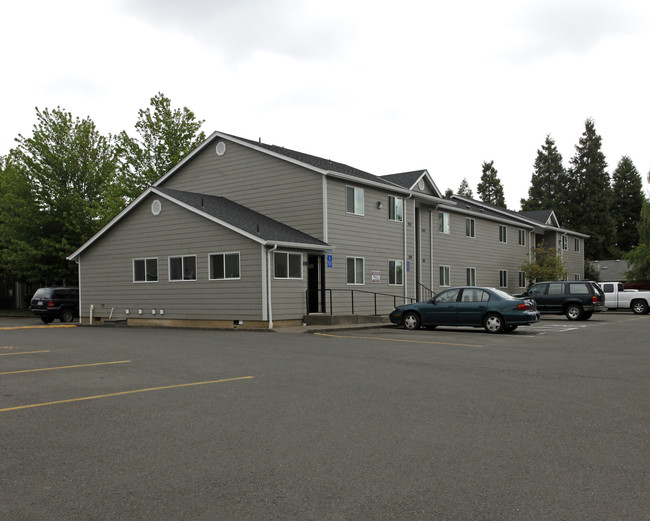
point(316, 284)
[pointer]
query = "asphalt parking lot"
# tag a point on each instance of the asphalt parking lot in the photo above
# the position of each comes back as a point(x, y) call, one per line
point(550, 422)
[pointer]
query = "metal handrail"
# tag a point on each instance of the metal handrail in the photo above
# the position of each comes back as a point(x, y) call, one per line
point(426, 293)
point(352, 292)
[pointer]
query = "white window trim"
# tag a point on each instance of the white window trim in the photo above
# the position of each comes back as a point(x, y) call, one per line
point(394, 274)
point(224, 253)
point(504, 274)
point(522, 233)
point(576, 245)
point(288, 254)
point(363, 282)
point(503, 235)
point(447, 219)
point(363, 203)
point(145, 259)
point(448, 269)
point(394, 199)
point(522, 279)
point(169, 268)
point(467, 272)
point(473, 227)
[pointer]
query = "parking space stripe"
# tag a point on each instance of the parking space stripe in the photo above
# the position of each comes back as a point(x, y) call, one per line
point(65, 367)
point(24, 353)
point(122, 393)
point(36, 327)
point(399, 340)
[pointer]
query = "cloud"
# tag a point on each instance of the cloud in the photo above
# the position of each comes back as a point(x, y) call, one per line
point(304, 30)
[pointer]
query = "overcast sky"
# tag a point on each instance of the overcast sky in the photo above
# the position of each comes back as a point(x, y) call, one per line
point(386, 87)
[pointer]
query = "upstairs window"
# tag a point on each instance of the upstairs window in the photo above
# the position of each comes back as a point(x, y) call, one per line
point(443, 222)
point(503, 233)
point(182, 268)
point(565, 242)
point(470, 227)
point(395, 208)
point(355, 200)
point(522, 237)
point(576, 245)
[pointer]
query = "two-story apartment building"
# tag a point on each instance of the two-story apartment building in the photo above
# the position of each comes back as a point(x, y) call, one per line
point(245, 233)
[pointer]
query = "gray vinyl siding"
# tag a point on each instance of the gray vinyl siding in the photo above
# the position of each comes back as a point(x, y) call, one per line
point(374, 238)
point(289, 295)
point(107, 268)
point(274, 187)
point(573, 260)
point(483, 252)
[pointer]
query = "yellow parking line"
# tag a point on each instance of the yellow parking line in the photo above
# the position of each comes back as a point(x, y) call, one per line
point(399, 340)
point(65, 367)
point(24, 353)
point(123, 393)
point(36, 327)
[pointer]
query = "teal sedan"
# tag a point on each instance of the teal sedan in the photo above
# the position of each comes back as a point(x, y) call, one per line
point(490, 308)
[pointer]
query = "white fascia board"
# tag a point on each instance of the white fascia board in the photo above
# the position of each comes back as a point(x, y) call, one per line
point(427, 175)
point(110, 224)
point(301, 246)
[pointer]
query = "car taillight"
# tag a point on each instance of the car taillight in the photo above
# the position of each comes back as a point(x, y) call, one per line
point(523, 307)
point(594, 299)
point(50, 304)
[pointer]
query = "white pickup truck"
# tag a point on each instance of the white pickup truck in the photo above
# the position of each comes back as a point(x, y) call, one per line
point(616, 297)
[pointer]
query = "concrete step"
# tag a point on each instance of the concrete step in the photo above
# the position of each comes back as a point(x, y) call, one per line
point(332, 320)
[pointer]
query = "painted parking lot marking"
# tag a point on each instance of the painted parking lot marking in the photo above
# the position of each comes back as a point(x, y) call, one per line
point(24, 352)
point(65, 367)
point(12, 328)
point(123, 393)
point(399, 340)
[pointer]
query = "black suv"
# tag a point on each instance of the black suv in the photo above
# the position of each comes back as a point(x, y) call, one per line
point(578, 299)
point(51, 303)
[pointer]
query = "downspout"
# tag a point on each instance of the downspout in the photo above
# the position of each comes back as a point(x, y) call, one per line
point(270, 282)
point(406, 287)
point(78, 261)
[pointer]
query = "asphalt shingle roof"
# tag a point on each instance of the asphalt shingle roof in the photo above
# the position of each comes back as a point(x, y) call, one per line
point(405, 179)
point(243, 218)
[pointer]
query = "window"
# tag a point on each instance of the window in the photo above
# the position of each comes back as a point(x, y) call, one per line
point(503, 233)
point(565, 242)
point(288, 265)
point(475, 295)
point(443, 222)
point(444, 276)
point(182, 268)
point(354, 267)
point(576, 245)
point(555, 289)
point(522, 279)
point(522, 237)
point(395, 208)
point(355, 200)
point(145, 270)
point(224, 266)
point(503, 278)
point(470, 227)
point(471, 276)
point(579, 289)
point(395, 272)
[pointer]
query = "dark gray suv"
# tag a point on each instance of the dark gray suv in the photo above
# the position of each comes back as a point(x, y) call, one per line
point(52, 303)
point(577, 299)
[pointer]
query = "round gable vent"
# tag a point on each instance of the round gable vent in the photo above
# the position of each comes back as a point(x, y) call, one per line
point(221, 148)
point(421, 184)
point(156, 207)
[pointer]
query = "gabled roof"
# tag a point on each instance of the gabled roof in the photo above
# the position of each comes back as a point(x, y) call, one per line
point(409, 180)
point(542, 216)
point(240, 219)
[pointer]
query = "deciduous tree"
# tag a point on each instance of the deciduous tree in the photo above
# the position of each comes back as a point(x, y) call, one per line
point(639, 257)
point(545, 264)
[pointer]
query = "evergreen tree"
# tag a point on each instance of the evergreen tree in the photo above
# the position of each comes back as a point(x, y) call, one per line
point(547, 180)
point(166, 136)
point(587, 199)
point(464, 190)
point(448, 193)
point(639, 257)
point(627, 202)
point(490, 189)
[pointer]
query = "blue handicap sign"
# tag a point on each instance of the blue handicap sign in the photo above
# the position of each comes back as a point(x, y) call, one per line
point(330, 261)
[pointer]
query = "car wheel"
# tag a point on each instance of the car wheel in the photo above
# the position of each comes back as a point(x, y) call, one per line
point(587, 315)
point(47, 320)
point(574, 312)
point(493, 323)
point(510, 328)
point(639, 307)
point(411, 320)
point(66, 316)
